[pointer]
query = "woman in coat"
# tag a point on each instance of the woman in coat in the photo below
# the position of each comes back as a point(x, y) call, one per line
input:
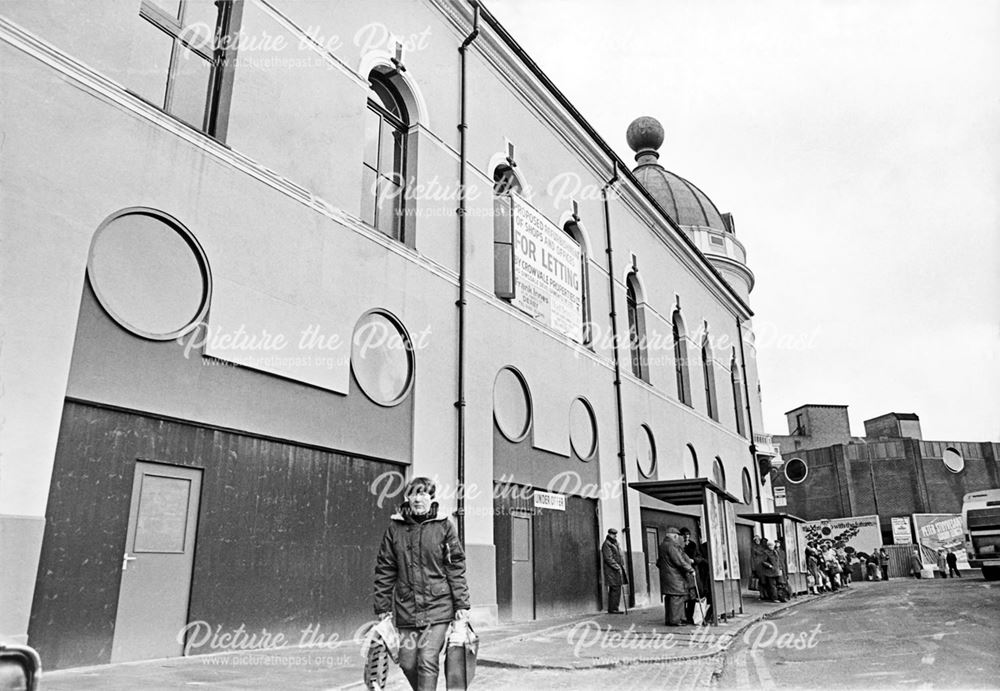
point(420, 577)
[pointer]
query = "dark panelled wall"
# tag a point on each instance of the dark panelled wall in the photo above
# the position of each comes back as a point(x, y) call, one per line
point(566, 543)
point(286, 537)
point(567, 575)
point(567, 559)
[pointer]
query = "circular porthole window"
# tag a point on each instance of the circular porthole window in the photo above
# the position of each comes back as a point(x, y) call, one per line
point(582, 429)
point(796, 471)
point(747, 487)
point(511, 404)
point(719, 473)
point(149, 274)
point(690, 464)
point(953, 460)
point(382, 358)
point(645, 451)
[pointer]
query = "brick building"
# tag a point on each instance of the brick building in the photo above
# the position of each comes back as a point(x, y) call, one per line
point(891, 471)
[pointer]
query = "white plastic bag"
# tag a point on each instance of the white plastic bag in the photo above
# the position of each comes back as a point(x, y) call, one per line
point(386, 633)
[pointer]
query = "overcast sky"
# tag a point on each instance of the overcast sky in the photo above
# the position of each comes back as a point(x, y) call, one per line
point(857, 145)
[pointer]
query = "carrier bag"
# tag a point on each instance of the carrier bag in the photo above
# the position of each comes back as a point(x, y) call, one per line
point(460, 655)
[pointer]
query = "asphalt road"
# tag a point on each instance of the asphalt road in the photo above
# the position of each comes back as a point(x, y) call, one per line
point(928, 634)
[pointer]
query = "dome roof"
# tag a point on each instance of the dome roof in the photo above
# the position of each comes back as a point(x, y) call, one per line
point(682, 200)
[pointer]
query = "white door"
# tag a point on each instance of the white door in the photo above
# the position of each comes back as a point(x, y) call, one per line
point(157, 563)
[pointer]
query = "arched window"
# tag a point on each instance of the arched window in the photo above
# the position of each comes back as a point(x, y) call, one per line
point(505, 181)
point(747, 487)
point(690, 464)
point(573, 230)
point(505, 184)
point(386, 125)
point(737, 381)
point(708, 371)
point(719, 473)
point(636, 329)
point(680, 361)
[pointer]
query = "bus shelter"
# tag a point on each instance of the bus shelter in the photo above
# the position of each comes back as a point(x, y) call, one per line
point(719, 533)
point(790, 533)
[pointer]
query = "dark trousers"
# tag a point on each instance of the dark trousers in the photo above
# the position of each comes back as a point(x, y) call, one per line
point(769, 587)
point(419, 651)
point(953, 569)
point(674, 609)
point(885, 571)
point(614, 597)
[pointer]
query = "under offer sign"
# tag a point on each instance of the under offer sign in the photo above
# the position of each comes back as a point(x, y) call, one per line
point(548, 500)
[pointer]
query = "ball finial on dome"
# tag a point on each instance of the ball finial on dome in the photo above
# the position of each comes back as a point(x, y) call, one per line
point(645, 136)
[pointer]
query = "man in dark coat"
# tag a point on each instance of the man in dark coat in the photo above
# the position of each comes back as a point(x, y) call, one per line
point(952, 564)
point(614, 570)
point(676, 572)
point(756, 557)
point(770, 572)
point(883, 563)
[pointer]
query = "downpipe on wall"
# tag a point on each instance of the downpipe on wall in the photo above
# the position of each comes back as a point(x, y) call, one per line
point(618, 379)
point(462, 279)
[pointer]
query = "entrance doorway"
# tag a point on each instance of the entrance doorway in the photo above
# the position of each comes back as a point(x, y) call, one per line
point(652, 552)
point(157, 563)
point(522, 568)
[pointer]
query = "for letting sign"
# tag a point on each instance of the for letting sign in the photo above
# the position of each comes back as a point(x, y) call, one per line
point(547, 271)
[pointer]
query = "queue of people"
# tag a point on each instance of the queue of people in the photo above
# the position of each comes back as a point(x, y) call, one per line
point(829, 568)
point(769, 567)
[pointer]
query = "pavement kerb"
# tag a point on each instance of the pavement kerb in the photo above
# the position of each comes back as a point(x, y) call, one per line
point(606, 663)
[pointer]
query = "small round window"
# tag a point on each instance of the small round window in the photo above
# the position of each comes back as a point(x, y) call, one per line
point(690, 464)
point(149, 273)
point(719, 473)
point(796, 470)
point(953, 460)
point(582, 429)
point(645, 451)
point(747, 487)
point(382, 358)
point(511, 404)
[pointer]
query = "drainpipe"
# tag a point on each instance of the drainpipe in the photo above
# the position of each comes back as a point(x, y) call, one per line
point(461, 302)
point(746, 394)
point(618, 379)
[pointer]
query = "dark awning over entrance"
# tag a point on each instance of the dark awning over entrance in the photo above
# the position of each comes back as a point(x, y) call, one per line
point(682, 492)
point(771, 517)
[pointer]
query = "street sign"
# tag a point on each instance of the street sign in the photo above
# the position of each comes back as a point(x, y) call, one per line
point(780, 498)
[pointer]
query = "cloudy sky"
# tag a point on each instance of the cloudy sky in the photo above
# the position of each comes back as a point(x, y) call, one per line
point(857, 145)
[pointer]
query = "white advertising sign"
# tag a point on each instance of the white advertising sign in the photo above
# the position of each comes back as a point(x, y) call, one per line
point(860, 532)
point(901, 534)
point(546, 271)
point(937, 533)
